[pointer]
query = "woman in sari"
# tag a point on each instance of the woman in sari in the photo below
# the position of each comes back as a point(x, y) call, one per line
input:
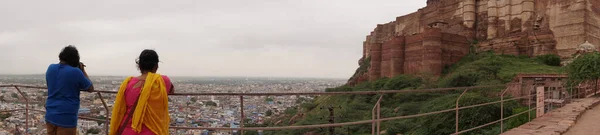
point(141, 106)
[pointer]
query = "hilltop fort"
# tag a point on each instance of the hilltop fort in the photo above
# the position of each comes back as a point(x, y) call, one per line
point(444, 31)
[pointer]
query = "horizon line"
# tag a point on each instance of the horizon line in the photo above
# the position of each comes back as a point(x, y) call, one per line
point(3, 74)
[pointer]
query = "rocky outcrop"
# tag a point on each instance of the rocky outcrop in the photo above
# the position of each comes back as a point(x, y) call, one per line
point(445, 30)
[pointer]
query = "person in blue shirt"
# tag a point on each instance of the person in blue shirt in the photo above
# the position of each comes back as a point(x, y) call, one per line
point(65, 80)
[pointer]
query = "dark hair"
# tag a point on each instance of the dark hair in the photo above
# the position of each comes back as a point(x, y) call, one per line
point(148, 60)
point(70, 56)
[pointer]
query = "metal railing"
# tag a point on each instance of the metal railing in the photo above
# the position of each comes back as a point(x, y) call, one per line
point(376, 111)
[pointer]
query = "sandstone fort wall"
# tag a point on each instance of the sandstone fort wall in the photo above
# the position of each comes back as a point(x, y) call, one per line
point(445, 30)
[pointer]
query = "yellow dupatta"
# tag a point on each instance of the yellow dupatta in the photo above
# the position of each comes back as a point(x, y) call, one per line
point(152, 108)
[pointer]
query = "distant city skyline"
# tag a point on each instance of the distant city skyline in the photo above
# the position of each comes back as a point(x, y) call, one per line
point(286, 38)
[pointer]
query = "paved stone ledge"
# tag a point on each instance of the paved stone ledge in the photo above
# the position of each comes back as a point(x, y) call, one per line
point(556, 122)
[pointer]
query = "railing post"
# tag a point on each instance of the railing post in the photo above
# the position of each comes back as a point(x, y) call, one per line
point(107, 122)
point(242, 115)
point(26, 110)
point(457, 119)
point(375, 117)
point(502, 111)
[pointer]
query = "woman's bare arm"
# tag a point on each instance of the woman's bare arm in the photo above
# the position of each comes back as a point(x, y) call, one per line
point(172, 89)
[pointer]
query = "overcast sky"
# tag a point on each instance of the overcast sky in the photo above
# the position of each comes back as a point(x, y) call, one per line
point(263, 38)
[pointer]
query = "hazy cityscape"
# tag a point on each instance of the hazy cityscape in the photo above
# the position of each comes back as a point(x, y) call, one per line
point(185, 111)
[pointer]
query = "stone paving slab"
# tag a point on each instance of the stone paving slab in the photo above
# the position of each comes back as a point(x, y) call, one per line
point(557, 121)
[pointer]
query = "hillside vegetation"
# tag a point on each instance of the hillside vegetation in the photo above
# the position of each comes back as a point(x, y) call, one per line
point(472, 70)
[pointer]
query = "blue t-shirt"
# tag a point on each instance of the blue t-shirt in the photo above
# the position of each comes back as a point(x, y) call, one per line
point(64, 84)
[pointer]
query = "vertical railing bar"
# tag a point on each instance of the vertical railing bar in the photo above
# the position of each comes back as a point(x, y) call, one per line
point(378, 117)
point(242, 114)
point(107, 122)
point(373, 118)
point(379, 114)
point(552, 103)
point(457, 110)
point(528, 104)
point(26, 110)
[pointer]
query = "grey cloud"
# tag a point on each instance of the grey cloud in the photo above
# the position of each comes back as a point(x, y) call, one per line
point(297, 38)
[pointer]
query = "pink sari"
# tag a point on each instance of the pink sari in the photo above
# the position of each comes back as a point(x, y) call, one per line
point(131, 94)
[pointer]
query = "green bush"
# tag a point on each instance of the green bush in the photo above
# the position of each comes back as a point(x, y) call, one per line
point(401, 82)
point(339, 89)
point(491, 66)
point(309, 105)
point(463, 79)
point(380, 83)
point(518, 120)
point(291, 111)
point(549, 59)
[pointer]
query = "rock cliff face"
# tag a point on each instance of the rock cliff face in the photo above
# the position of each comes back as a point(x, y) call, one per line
point(446, 30)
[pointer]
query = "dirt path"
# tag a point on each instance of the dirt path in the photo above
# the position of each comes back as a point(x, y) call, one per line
point(587, 124)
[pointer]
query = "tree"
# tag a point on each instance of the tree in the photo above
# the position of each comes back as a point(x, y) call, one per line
point(251, 133)
point(300, 100)
point(100, 122)
point(268, 99)
point(269, 113)
point(14, 95)
point(210, 103)
point(194, 99)
point(39, 98)
point(4, 116)
point(585, 68)
point(93, 131)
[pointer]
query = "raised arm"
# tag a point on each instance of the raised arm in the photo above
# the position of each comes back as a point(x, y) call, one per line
point(84, 82)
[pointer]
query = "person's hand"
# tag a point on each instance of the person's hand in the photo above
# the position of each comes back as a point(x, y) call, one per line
point(82, 66)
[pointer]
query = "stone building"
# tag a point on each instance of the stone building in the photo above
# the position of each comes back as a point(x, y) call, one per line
point(446, 30)
point(524, 85)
